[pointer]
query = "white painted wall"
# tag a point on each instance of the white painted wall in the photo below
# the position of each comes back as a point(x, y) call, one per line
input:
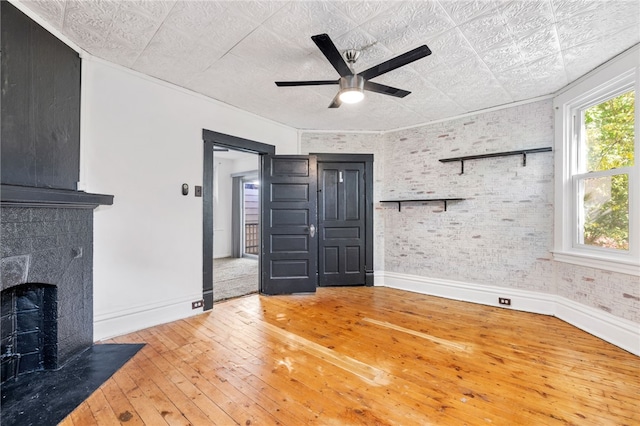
point(247, 163)
point(141, 139)
point(222, 199)
point(223, 196)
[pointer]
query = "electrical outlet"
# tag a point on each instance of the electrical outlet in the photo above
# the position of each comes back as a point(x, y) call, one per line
point(197, 304)
point(504, 301)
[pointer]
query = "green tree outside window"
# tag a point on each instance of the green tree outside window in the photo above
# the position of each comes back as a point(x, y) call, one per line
point(609, 143)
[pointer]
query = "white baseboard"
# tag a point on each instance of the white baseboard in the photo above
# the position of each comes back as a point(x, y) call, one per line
point(620, 332)
point(112, 324)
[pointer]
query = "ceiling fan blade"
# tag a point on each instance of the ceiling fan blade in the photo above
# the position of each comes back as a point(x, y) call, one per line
point(397, 62)
point(306, 83)
point(336, 102)
point(329, 50)
point(385, 90)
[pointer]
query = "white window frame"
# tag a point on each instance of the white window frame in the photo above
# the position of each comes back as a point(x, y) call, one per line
point(615, 77)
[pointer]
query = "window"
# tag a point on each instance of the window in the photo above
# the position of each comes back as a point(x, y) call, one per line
point(605, 156)
point(597, 169)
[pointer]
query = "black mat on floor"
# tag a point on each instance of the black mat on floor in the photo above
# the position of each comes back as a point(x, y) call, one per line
point(47, 397)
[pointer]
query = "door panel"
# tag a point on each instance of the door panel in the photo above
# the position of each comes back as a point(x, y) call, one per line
point(290, 268)
point(341, 224)
point(331, 261)
point(290, 192)
point(289, 251)
point(352, 259)
point(329, 193)
point(289, 217)
point(286, 165)
point(289, 243)
point(346, 232)
point(354, 192)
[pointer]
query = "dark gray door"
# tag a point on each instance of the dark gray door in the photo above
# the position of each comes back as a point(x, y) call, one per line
point(289, 240)
point(341, 223)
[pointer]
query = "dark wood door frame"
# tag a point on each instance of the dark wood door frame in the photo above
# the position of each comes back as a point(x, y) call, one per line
point(367, 159)
point(211, 138)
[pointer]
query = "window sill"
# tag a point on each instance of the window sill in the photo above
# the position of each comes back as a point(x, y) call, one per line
point(623, 267)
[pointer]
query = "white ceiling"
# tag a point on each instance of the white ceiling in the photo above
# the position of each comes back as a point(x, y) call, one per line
point(485, 52)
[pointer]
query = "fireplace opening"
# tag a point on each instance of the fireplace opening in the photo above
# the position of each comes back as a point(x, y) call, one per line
point(29, 330)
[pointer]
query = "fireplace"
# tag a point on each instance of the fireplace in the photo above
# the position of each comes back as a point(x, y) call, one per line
point(48, 360)
point(29, 329)
point(46, 272)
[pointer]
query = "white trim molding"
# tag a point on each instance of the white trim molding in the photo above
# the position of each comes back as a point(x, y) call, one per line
point(619, 74)
point(618, 331)
point(615, 265)
point(117, 323)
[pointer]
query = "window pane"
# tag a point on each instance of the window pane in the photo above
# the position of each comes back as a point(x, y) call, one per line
point(605, 211)
point(609, 134)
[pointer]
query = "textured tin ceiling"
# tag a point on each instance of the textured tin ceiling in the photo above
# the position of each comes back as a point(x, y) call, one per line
point(485, 52)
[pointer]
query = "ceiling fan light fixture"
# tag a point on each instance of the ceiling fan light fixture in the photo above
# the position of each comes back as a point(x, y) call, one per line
point(351, 89)
point(351, 96)
point(352, 85)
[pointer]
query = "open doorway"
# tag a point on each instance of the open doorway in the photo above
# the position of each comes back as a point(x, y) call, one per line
point(284, 255)
point(213, 139)
point(236, 227)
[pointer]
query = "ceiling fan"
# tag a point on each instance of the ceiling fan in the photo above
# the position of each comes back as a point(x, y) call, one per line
point(352, 85)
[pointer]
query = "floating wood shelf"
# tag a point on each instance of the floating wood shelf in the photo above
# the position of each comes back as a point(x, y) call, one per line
point(522, 152)
point(422, 200)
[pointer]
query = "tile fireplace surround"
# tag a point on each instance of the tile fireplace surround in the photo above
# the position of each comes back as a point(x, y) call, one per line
point(46, 273)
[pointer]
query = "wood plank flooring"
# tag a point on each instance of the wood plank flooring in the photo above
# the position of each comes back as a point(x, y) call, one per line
point(363, 355)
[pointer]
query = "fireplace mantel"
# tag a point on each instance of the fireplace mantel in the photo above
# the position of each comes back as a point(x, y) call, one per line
point(47, 240)
point(27, 196)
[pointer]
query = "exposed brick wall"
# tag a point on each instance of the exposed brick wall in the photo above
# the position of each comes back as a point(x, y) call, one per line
point(502, 234)
point(617, 294)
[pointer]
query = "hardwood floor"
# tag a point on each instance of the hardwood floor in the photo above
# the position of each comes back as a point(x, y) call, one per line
point(365, 355)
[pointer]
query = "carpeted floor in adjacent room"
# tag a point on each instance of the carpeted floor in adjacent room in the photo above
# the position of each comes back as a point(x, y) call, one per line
point(234, 277)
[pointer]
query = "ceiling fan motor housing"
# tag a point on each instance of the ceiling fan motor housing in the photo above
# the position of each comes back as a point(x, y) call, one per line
point(351, 82)
point(351, 88)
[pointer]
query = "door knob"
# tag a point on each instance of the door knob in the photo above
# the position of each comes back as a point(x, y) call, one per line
point(312, 230)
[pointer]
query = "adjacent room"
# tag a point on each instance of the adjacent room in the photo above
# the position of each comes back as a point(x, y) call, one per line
point(320, 212)
point(236, 214)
